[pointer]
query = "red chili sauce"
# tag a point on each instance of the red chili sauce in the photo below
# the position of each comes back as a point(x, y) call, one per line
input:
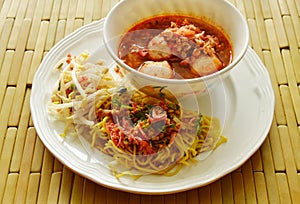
point(191, 47)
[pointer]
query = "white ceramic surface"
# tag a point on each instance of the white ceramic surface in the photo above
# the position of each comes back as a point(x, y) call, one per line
point(220, 12)
point(244, 102)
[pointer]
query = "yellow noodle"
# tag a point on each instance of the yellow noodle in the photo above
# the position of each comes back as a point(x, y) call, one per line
point(147, 163)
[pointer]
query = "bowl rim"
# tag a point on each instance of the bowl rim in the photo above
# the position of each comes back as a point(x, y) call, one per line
point(214, 75)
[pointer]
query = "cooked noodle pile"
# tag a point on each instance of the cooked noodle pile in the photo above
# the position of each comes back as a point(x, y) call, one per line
point(145, 133)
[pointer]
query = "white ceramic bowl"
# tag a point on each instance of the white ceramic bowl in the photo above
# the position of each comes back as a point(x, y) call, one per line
point(222, 13)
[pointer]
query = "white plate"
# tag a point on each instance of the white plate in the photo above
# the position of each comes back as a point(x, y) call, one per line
point(244, 102)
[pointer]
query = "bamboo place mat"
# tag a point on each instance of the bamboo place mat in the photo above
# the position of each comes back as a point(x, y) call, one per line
point(30, 174)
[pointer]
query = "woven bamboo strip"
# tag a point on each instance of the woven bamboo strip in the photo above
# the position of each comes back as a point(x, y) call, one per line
point(66, 186)
point(276, 148)
point(13, 9)
point(298, 6)
point(192, 196)
point(77, 189)
point(292, 33)
point(17, 25)
point(159, 199)
point(36, 23)
point(4, 37)
point(21, 135)
point(261, 28)
point(227, 190)
point(3, 13)
point(249, 182)
point(53, 25)
point(215, 189)
point(136, 199)
point(291, 171)
point(30, 123)
point(126, 198)
point(89, 191)
point(255, 39)
point(20, 90)
point(238, 188)
point(58, 166)
point(1, 3)
point(6, 158)
point(270, 177)
point(78, 23)
point(275, 52)
point(122, 197)
point(283, 188)
point(54, 187)
point(278, 24)
point(31, 9)
point(33, 188)
point(38, 50)
point(204, 194)
point(97, 9)
point(249, 9)
point(63, 14)
point(4, 74)
point(100, 194)
point(106, 5)
point(37, 156)
point(239, 170)
point(292, 83)
point(266, 10)
point(10, 188)
point(232, 1)
point(291, 123)
point(60, 30)
point(260, 187)
point(25, 166)
point(19, 52)
point(46, 174)
point(256, 161)
point(250, 44)
point(283, 7)
point(112, 3)
point(4, 114)
point(88, 12)
point(71, 17)
point(81, 4)
point(47, 10)
point(116, 197)
point(241, 7)
point(169, 198)
point(279, 112)
point(180, 198)
point(295, 17)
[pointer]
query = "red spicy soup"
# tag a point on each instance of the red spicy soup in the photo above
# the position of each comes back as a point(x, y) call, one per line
point(175, 47)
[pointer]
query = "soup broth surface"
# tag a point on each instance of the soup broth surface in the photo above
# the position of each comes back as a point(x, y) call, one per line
point(188, 47)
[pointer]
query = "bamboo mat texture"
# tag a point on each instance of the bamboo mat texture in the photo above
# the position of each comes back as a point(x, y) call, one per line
point(30, 174)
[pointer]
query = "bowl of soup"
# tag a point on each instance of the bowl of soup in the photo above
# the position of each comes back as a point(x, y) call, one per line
point(186, 46)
